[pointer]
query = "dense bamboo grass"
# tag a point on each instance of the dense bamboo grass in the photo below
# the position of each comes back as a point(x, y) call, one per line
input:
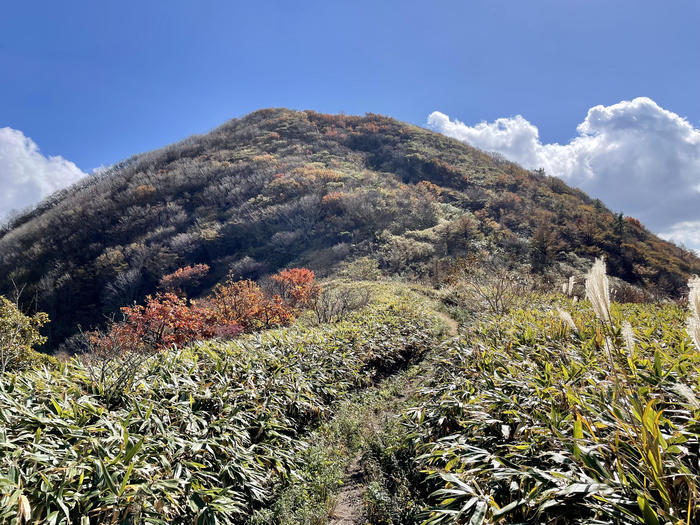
point(206, 434)
point(559, 413)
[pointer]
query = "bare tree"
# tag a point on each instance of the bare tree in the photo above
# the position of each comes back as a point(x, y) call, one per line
point(489, 285)
point(334, 304)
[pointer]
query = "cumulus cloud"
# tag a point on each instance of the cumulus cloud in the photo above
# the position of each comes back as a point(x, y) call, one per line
point(686, 232)
point(27, 176)
point(635, 156)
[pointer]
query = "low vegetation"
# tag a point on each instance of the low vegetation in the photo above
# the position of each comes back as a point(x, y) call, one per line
point(544, 408)
point(206, 434)
point(561, 412)
point(216, 381)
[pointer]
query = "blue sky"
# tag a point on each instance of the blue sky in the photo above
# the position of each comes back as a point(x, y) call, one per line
point(96, 82)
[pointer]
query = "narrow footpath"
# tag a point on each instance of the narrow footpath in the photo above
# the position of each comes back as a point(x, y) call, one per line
point(349, 508)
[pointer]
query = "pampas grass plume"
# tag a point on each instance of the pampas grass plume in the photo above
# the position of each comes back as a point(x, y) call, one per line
point(567, 319)
point(628, 335)
point(693, 326)
point(598, 290)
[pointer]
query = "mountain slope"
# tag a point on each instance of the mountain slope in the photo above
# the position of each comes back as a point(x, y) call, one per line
point(281, 187)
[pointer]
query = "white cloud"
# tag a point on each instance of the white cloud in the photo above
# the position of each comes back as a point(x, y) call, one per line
point(685, 232)
point(27, 176)
point(635, 156)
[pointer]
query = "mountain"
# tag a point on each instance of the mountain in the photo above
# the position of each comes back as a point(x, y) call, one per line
point(280, 187)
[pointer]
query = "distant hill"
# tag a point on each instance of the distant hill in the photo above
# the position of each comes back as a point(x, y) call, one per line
point(281, 187)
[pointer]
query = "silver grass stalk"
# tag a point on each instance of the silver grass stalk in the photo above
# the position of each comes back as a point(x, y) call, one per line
point(694, 296)
point(693, 329)
point(609, 346)
point(598, 290)
point(693, 326)
point(628, 335)
point(567, 319)
point(563, 288)
point(570, 290)
point(687, 393)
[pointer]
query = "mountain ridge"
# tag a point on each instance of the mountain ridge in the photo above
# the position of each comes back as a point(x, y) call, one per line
point(280, 187)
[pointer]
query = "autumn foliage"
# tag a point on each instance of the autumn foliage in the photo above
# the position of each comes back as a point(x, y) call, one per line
point(165, 320)
point(297, 286)
point(183, 278)
point(169, 319)
point(245, 303)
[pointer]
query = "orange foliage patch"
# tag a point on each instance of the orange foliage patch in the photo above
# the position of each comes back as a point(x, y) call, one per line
point(332, 198)
point(297, 286)
point(235, 306)
point(634, 222)
point(244, 303)
point(431, 188)
point(165, 320)
point(188, 276)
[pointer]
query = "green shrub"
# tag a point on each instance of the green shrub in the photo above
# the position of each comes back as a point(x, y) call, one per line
point(19, 333)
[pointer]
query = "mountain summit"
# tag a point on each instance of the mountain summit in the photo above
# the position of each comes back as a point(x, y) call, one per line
point(281, 187)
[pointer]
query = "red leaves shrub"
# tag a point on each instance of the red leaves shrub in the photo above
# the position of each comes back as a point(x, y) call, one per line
point(246, 304)
point(165, 320)
point(238, 300)
point(297, 287)
point(183, 278)
point(228, 331)
point(634, 222)
point(168, 319)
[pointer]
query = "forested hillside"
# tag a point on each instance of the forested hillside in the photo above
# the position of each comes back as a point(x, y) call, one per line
point(280, 188)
